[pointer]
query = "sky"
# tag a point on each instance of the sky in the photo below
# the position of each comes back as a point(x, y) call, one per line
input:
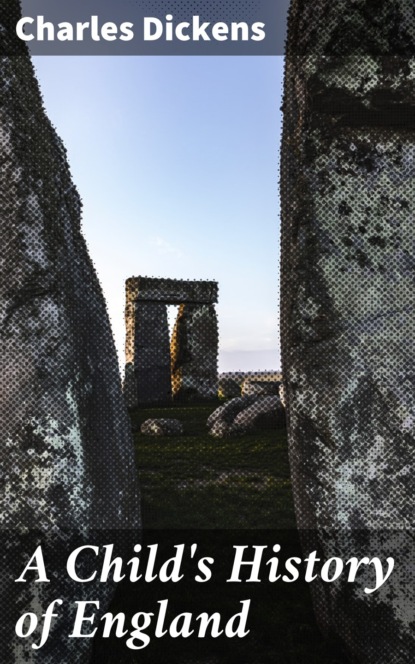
point(177, 163)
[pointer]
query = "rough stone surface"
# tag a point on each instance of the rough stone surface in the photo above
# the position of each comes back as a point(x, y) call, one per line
point(348, 327)
point(221, 429)
point(244, 414)
point(265, 376)
point(229, 410)
point(67, 454)
point(148, 378)
point(194, 353)
point(231, 382)
point(172, 291)
point(230, 385)
point(187, 368)
point(162, 427)
point(264, 412)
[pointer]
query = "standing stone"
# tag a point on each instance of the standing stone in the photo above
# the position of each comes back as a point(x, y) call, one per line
point(194, 353)
point(67, 457)
point(348, 332)
point(152, 381)
point(150, 372)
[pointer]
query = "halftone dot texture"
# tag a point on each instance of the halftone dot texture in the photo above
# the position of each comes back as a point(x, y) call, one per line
point(184, 369)
point(347, 319)
point(348, 295)
point(214, 9)
point(67, 456)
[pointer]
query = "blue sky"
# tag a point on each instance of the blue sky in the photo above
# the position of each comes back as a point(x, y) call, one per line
point(177, 160)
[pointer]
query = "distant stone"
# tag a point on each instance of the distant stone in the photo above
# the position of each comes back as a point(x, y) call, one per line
point(162, 427)
point(186, 369)
point(252, 387)
point(282, 395)
point(265, 412)
point(229, 410)
point(147, 373)
point(264, 376)
point(194, 353)
point(173, 291)
point(230, 386)
point(245, 414)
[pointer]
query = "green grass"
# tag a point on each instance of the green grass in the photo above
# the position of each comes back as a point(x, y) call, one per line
point(234, 483)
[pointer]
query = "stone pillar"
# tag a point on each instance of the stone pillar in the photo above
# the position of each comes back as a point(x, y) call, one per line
point(348, 327)
point(67, 459)
point(130, 387)
point(194, 353)
point(152, 377)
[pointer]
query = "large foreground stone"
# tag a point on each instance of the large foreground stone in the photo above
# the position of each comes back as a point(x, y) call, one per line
point(67, 456)
point(348, 273)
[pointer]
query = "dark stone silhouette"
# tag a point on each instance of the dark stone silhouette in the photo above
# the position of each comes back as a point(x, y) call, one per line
point(147, 376)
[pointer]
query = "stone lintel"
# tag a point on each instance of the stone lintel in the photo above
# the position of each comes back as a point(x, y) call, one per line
point(171, 291)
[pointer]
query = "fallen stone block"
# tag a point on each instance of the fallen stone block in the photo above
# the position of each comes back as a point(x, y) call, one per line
point(229, 410)
point(162, 427)
point(265, 412)
point(222, 429)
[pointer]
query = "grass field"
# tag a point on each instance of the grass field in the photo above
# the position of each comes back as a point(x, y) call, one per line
point(236, 483)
